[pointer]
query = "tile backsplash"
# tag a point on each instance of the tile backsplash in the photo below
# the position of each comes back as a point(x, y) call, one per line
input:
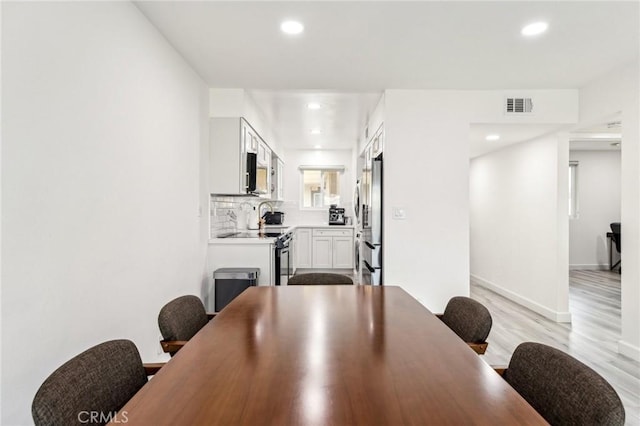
point(223, 215)
point(230, 214)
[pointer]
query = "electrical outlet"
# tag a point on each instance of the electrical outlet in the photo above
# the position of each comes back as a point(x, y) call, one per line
point(398, 213)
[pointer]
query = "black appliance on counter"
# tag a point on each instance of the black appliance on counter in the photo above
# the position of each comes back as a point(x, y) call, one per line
point(336, 215)
point(273, 218)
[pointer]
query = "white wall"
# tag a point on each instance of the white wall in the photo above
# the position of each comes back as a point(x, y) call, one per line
point(598, 195)
point(427, 174)
point(103, 128)
point(293, 178)
point(616, 92)
point(514, 201)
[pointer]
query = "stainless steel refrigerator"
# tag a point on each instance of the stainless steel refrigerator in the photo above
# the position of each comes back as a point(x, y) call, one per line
point(372, 228)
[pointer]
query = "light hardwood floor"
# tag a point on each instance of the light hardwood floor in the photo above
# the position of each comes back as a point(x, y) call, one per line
point(594, 302)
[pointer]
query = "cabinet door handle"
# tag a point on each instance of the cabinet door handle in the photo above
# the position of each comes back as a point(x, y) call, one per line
point(246, 181)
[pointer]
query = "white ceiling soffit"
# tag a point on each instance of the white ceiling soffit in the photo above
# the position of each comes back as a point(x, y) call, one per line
point(601, 137)
point(373, 45)
point(509, 134)
point(594, 145)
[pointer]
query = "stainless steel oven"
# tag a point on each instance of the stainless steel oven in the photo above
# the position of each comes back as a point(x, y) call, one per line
point(283, 258)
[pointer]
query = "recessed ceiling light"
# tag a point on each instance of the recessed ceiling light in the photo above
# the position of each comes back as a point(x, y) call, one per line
point(318, 146)
point(313, 105)
point(493, 137)
point(534, 29)
point(316, 131)
point(291, 27)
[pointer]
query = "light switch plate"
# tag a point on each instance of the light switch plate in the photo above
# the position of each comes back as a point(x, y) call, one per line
point(398, 213)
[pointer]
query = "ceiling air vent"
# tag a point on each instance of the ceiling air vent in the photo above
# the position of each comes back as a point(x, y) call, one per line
point(518, 105)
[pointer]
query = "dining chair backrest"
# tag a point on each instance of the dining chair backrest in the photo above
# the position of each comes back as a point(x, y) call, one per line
point(319, 278)
point(92, 386)
point(562, 389)
point(182, 318)
point(468, 318)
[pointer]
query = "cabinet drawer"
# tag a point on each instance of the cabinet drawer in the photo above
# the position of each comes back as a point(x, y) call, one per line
point(332, 232)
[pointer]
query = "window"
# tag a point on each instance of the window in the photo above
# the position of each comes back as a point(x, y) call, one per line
point(573, 189)
point(320, 186)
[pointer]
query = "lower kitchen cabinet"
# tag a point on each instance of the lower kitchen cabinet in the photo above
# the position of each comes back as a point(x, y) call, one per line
point(302, 248)
point(343, 252)
point(332, 248)
point(322, 252)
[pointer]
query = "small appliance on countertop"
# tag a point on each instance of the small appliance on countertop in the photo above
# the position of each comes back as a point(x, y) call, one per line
point(336, 215)
point(273, 218)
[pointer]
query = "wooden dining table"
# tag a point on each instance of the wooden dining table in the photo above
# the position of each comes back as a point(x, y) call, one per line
point(327, 355)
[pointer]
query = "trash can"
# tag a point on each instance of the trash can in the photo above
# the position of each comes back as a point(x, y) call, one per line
point(230, 282)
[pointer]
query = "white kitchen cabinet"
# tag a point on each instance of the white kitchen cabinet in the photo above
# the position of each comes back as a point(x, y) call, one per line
point(343, 252)
point(332, 248)
point(230, 139)
point(277, 178)
point(303, 248)
point(250, 137)
point(322, 252)
point(264, 154)
point(263, 171)
point(377, 142)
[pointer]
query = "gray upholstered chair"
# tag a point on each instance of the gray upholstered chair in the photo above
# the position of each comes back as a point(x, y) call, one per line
point(470, 320)
point(319, 278)
point(179, 320)
point(100, 380)
point(562, 389)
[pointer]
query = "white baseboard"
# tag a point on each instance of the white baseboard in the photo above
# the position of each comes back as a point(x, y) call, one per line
point(588, 267)
point(629, 350)
point(527, 303)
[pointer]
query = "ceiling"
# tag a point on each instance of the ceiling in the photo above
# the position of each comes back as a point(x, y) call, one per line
point(351, 51)
point(603, 137)
point(509, 134)
point(337, 118)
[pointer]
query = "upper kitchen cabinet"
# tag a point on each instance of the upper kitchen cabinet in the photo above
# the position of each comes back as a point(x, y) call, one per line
point(263, 171)
point(277, 178)
point(377, 143)
point(239, 159)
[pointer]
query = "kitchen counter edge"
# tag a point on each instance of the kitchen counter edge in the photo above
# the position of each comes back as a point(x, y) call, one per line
point(290, 228)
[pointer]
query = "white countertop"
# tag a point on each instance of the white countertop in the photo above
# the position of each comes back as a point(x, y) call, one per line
point(271, 240)
point(307, 225)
